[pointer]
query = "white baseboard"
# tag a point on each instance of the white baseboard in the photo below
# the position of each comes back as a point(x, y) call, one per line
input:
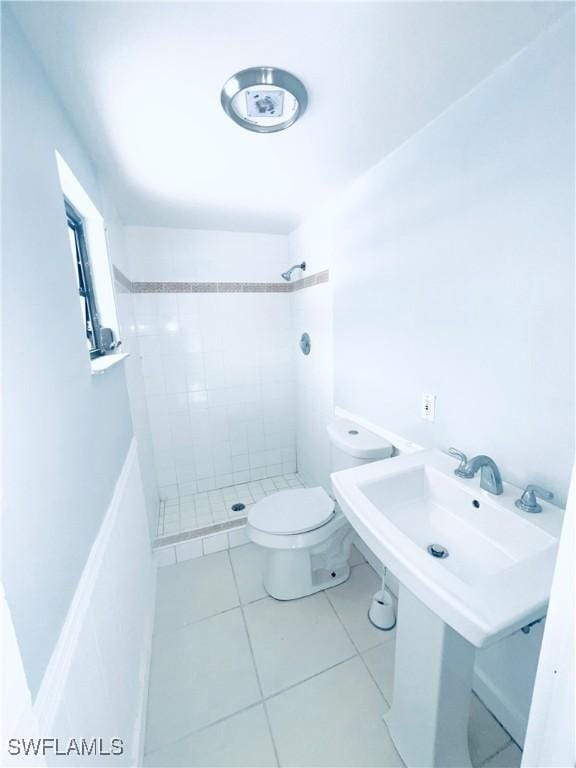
point(501, 707)
point(140, 729)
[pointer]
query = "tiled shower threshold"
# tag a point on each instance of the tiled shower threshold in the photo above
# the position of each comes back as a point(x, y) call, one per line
point(178, 518)
point(198, 533)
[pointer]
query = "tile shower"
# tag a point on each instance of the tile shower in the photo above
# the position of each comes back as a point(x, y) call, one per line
point(217, 346)
point(209, 508)
point(219, 388)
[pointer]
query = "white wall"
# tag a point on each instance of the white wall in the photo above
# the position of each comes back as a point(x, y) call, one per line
point(312, 313)
point(103, 681)
point(96, 682)
point(66, 432)
point(454, 275)
point(195, 255)
point(217, 366)
point(133, 366)
point(452, 272)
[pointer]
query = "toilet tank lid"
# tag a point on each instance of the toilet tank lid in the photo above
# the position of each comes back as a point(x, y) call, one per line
point(358, 441)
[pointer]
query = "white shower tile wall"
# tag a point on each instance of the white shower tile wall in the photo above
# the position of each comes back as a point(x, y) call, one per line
point(219, 388)
point(217, 367)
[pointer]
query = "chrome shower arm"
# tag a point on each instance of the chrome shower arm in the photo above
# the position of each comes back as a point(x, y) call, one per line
point(288, 274)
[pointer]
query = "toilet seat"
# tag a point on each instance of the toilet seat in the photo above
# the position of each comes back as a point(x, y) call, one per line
point(293, 511)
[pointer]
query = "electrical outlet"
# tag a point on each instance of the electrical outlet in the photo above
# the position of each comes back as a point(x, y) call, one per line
point(428, 409)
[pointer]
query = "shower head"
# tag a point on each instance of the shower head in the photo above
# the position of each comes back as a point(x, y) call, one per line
point(288, 274)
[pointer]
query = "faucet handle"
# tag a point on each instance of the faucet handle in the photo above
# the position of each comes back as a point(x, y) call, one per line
point(527, 502)
point(460, 470)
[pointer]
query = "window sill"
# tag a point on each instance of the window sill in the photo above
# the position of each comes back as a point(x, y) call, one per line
point(102, 364)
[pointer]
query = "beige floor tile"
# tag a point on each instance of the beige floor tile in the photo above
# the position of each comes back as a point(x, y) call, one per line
point(334, 719)
point(241, 741)
point(295, 639)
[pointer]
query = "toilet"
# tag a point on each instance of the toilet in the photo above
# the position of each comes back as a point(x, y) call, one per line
point(306, 537)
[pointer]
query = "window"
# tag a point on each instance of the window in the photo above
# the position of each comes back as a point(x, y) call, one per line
point(85, 285)
point(94, 277)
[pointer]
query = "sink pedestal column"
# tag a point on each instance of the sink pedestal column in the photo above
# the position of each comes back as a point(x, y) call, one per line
point(428, 719)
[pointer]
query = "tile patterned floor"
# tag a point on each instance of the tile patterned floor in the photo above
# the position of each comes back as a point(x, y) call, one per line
point(202, 509)
point(239, 679)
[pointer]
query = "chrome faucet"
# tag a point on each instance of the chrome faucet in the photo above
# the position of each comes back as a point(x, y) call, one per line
point(490, 478)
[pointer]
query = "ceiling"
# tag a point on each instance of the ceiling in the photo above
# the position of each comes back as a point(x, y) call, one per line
point(141, 81)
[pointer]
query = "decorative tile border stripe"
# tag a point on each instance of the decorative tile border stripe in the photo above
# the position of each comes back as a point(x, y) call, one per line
point(126, 285)
point(210, 288)
point(308, 282)
point(198, 533)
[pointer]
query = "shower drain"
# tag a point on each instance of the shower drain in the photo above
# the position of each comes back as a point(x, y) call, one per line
point(238, 507)
point(437, 550)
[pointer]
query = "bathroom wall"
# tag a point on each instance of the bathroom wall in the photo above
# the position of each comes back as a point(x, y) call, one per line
point(97, 681)
point(452, 273)
point(312, 313)
point(133, 364)
point(66, 432)
point(217, 363)
point(196, 255)
point(77, 566)
point(80, 695)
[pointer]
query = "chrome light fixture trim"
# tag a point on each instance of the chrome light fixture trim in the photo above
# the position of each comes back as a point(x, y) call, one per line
point(264, 76)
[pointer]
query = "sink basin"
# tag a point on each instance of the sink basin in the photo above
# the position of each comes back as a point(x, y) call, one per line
point(497, 574)
point(472, 569)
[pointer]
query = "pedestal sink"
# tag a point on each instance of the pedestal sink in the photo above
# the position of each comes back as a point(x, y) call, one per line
point(472, 569)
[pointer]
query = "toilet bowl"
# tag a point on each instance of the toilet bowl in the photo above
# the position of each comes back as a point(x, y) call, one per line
point(306, 537)
point(307, 541)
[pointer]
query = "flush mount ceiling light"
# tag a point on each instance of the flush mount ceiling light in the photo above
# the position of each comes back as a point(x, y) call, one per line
point(264, 99)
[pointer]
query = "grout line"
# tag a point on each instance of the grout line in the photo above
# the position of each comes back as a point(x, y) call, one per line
point(264, 698)
point(499, 751)
point(264, 707)
point(389, 704)
point(241, 603)
point(202, 728)
point(502, 727)
point(368, 670)
point(171, 630)
point(499, 723)
point(384, 642)
point(358, 651)
point(310, 677)
point(261, 701)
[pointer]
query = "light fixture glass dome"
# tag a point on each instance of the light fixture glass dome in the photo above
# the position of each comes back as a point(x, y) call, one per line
point(264, 99)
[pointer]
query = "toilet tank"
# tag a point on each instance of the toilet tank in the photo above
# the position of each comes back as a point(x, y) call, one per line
point(352, 445)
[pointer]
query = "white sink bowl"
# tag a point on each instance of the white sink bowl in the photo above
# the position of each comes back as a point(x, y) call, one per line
point(498, 572)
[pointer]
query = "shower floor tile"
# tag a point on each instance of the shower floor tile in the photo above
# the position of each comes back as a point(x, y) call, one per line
point(199, 510)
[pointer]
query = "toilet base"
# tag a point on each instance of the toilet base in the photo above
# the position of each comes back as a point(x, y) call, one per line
point(320, 580)
point(293, 573)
